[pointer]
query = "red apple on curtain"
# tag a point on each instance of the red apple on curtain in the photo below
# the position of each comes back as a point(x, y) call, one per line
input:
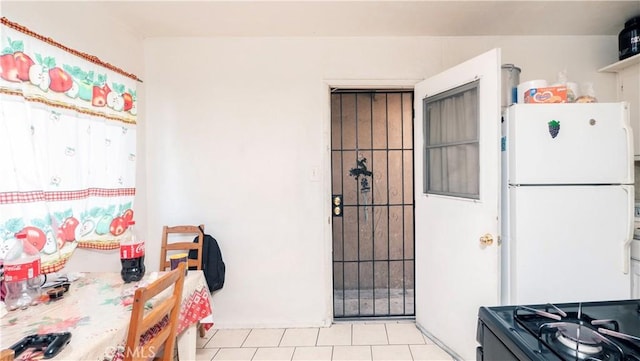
point(8, 68)
point(60, 238)
point(99, 97)
point(128, 215)
point(69, 229)
point(35, 236)
point(23, 64)
point(61, 81)
point(118, 226)
point(128, 101)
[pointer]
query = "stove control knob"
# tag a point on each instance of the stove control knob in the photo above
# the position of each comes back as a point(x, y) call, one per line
point(486, 240)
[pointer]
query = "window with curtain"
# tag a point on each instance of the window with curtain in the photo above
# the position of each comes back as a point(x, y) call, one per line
point(67, 147)
point(451, 143)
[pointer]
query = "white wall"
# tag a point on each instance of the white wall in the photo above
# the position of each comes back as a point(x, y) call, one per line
point(79, 26)
point(238, 125)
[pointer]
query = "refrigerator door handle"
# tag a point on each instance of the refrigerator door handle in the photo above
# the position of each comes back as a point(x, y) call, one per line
point(626, 247)
point(626, 253)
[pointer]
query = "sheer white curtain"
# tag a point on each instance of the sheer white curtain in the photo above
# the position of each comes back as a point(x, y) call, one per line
point(452, 144)
point(67, 148)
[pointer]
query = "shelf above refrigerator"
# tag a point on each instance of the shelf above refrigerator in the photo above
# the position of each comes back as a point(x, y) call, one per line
point(622, 64)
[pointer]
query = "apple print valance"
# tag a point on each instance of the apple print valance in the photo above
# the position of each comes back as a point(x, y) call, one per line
point(67, 147)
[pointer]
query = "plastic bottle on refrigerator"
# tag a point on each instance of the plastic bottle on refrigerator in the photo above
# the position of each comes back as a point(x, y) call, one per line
point(22, 274)
point(132, 255)
point(572, 87)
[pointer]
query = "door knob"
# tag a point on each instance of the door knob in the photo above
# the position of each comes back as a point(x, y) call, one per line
point(486, 240)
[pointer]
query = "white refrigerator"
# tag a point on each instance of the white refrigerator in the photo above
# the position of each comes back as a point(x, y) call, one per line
point(567, 203)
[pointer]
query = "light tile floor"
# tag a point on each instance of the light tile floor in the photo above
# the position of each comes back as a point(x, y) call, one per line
point(361, 341)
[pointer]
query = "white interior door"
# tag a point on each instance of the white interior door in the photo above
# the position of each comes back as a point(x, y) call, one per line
point(455, 273)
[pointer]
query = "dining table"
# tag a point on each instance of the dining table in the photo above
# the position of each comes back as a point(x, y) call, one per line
point(96, 310)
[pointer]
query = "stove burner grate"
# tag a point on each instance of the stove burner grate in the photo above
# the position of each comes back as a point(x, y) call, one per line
point(574, 340)
point(579, 338)
point(575, 336)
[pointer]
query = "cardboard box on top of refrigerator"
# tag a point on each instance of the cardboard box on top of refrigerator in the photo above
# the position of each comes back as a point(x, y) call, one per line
point(553, 94)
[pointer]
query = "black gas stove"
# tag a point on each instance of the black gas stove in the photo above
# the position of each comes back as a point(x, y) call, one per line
point(587, 331)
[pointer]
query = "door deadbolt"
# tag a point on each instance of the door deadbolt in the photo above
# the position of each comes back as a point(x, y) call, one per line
point(336, 205)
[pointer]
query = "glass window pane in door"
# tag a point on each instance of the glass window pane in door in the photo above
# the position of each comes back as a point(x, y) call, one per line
point(451, 142)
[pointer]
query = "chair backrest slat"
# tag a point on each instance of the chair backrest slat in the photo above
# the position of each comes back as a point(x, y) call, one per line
point(183, 231)
point(141, 322)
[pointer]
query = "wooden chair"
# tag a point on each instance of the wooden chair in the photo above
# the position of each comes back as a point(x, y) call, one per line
point(185, 245)
point(6, 355)
point(141, 322)
point(171, 233)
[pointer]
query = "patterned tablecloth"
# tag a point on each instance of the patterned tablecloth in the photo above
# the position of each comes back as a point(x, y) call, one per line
point(96, 310)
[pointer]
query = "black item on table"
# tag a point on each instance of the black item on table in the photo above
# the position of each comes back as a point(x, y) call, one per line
point(51, 343)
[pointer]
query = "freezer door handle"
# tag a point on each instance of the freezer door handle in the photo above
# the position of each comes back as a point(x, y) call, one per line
point(627, 256)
